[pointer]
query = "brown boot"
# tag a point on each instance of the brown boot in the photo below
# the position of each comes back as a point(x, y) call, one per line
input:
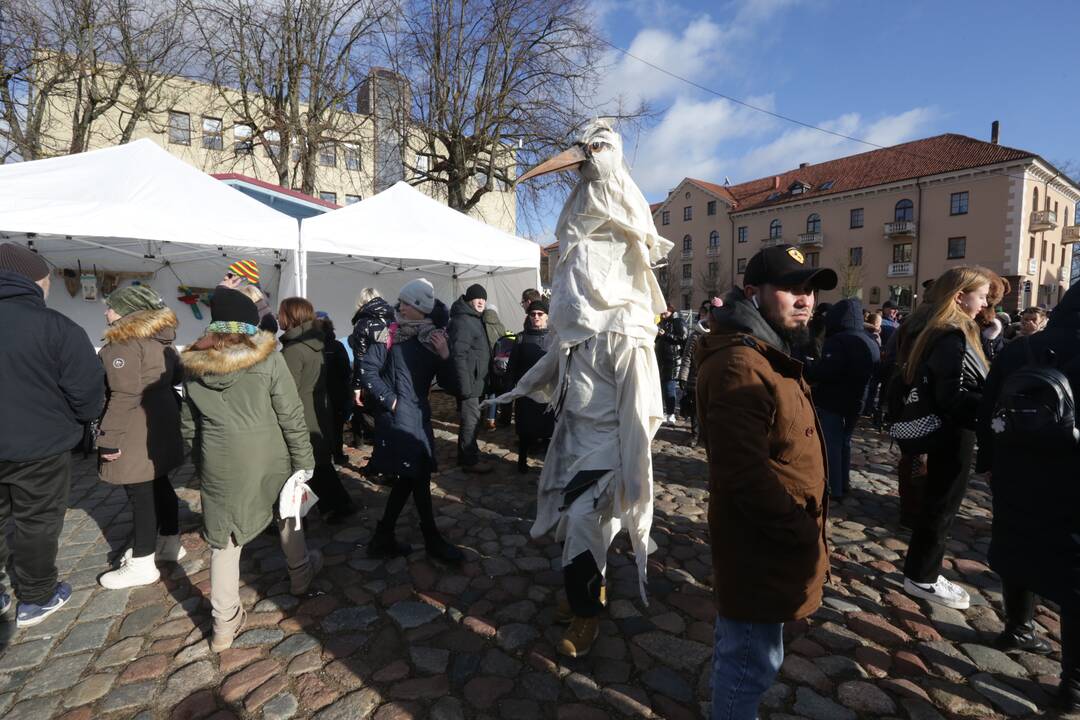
point(579, 637)
point(564, 615)
point(300, 578)
point(225, 631)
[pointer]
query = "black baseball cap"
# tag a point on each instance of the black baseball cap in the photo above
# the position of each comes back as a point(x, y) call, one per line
point(785, 266)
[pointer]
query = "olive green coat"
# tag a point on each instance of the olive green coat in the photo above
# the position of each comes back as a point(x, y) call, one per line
point(302, 347)
point(142, 415)
point(244, 423)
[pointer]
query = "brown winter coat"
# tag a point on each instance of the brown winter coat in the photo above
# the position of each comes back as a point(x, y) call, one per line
point(142, 410)
point(767, 473)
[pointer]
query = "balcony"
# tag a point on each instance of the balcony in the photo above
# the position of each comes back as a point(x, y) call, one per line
point(713, 251)
point(814, 240)
point(1070, 234)
point(902, 269)
point(686, 254)
point(770, 241)
point(686, 282)
point(902, 229)
point(1042, 220)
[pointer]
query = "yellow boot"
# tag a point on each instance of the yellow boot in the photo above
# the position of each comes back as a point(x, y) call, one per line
point(563, 613)
point(579, 637)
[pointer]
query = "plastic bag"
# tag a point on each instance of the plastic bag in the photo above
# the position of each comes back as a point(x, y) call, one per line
point(297, 497)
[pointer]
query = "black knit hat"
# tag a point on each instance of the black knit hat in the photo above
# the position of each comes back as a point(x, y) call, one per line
point(538, 306)
point(232, 306)
point(21, 260)
point(475, 292)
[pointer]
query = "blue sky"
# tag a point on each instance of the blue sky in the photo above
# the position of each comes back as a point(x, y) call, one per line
point(883, 71)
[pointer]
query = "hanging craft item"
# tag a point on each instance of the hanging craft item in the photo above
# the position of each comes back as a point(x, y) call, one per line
point(205, 294)
point(188, 296)
point(89, 284)
point(71, 281)
point(109, 281)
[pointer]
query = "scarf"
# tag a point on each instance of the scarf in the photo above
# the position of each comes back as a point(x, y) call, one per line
point(402, 330)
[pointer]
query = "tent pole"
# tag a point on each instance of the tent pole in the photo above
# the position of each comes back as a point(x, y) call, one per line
point(298, 274)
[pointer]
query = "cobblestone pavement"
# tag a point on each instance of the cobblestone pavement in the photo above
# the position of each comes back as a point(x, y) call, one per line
point(409, 638)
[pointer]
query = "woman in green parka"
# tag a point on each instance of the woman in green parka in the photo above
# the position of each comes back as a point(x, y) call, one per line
point(244, 423)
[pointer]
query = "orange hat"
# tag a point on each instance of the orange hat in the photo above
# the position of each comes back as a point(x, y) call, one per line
point(247, 269)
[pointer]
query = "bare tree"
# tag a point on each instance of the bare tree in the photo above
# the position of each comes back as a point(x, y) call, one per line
point(290, 70)
point(712, 283)
point(495, 85)
point(850, 276)
point(668, 282)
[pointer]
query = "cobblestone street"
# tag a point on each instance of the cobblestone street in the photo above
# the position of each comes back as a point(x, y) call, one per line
point(409, 638)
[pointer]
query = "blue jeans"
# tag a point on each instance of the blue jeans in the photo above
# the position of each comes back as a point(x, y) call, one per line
point(837, 430)
point(671, 396)
point(746, 658)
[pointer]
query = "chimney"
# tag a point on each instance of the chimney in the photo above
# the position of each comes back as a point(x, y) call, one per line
point(776, 182)
point(994, 128)
point(802, 165)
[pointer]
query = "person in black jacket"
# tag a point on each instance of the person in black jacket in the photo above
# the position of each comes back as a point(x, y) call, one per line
point(941, 343)
point(840, 377)
point(1035, 540)
point(338, 379)
point(52, 383)
point(534, 421)
point(670, 338)
point(370, 322)
point(470, 348)
point(397, 376)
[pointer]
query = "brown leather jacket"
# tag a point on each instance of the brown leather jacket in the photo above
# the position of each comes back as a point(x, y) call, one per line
point(767, 472)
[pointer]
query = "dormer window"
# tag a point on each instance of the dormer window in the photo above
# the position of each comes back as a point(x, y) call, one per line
point(798, 187)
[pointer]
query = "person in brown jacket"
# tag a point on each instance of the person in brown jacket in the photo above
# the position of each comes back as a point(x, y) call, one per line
point(767, 473)
point(139, 441)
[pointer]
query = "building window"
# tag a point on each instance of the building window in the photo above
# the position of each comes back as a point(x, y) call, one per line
point(687, 245)
point(958, 203)
point(743, 234)
point(813, 259)
point(741, 265)
point(661, 277)
point(328, 155)
point(856, 217)
point(1044, 243)
point(875, 295)
point(901, 253)
point(957, 248)
point(241, 139)
point(710, 209)
point(688, 212)
point(687, 271)
point(813, 223)
point(686, 301)
point(328, 197)
point(273, 143)
point(901, 295)
point(665, 218)
point(211, 134)
point(775, 230)
point(1031, 247)
point(352, 157)
point(352, 199)
point(1035, 199)
point(714, 240)
point(714, 269)
point(905, 211)
point(179, 128)
point(855, 256)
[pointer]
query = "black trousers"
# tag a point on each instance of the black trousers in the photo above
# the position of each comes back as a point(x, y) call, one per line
point(419, 488)
point(468, 451)
point(583, 580)
point(337, 434)
point(1019, 604)
point(327, 485)
point(948, 467)
point(34, 495)
point(154, 509)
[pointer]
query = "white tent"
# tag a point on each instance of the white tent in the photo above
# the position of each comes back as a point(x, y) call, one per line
point(136, 208)
point(401, 234)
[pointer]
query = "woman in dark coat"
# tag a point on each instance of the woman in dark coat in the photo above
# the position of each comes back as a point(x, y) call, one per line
point(670, 338)
point(1035, 542)
point(397, 377)
point(303, 345)
point(338, 379)
point(849, 360)
point(534, 421)
point(373, 316)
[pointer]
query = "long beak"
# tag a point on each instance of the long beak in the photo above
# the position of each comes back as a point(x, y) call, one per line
point(563, 161)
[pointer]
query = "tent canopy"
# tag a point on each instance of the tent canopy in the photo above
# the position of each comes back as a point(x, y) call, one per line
point(401, 234)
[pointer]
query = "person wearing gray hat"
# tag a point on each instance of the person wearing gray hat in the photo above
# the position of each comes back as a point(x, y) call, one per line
point(470, 349)
point(52, 386)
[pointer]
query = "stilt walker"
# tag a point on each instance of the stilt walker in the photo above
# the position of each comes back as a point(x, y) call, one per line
point(601, 377)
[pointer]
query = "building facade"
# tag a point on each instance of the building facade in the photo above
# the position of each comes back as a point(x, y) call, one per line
point(886, 221)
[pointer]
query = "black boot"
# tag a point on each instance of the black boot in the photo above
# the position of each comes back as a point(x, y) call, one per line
point(523, 456)
point(383, 544)
point(1022, 637)
point(1019, 620)
point(438, 548)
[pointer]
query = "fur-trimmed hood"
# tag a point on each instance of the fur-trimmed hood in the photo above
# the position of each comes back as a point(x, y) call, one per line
point(203, 361)
point(158, 324)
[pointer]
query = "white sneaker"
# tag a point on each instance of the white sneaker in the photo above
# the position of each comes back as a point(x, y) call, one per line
point(941, 592)
point(169, 549)
point(133, 572)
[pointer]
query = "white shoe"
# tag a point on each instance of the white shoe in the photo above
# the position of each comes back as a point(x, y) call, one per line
point(941, 592)
point(169, 549)
point(133, 572)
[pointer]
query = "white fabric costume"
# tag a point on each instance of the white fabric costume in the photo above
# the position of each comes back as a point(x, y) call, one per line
point(603, 379)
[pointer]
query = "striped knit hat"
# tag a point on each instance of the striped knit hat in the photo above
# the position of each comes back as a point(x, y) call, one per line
point(247, 269)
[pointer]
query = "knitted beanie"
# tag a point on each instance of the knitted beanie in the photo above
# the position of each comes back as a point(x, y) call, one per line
point(475, 292)
point(247, 269)
point(24, 261)
point(419, 293)
point(133, 298)
point(232, 306)
point(538, 306)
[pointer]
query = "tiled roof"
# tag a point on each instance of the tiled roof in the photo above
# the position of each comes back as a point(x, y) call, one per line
point(918, 158)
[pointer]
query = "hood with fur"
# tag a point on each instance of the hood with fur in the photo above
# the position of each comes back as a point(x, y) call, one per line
point(203, 361)
point(157, 324)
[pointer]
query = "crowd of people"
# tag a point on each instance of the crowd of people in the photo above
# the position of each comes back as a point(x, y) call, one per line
point(773, 384)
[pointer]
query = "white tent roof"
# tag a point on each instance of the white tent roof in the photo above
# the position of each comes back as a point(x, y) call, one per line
point(133, 194)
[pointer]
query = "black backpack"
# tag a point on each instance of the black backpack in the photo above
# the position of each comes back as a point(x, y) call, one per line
point(1036, 407)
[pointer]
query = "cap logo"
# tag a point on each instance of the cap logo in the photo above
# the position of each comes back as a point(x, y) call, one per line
point(796, 255)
